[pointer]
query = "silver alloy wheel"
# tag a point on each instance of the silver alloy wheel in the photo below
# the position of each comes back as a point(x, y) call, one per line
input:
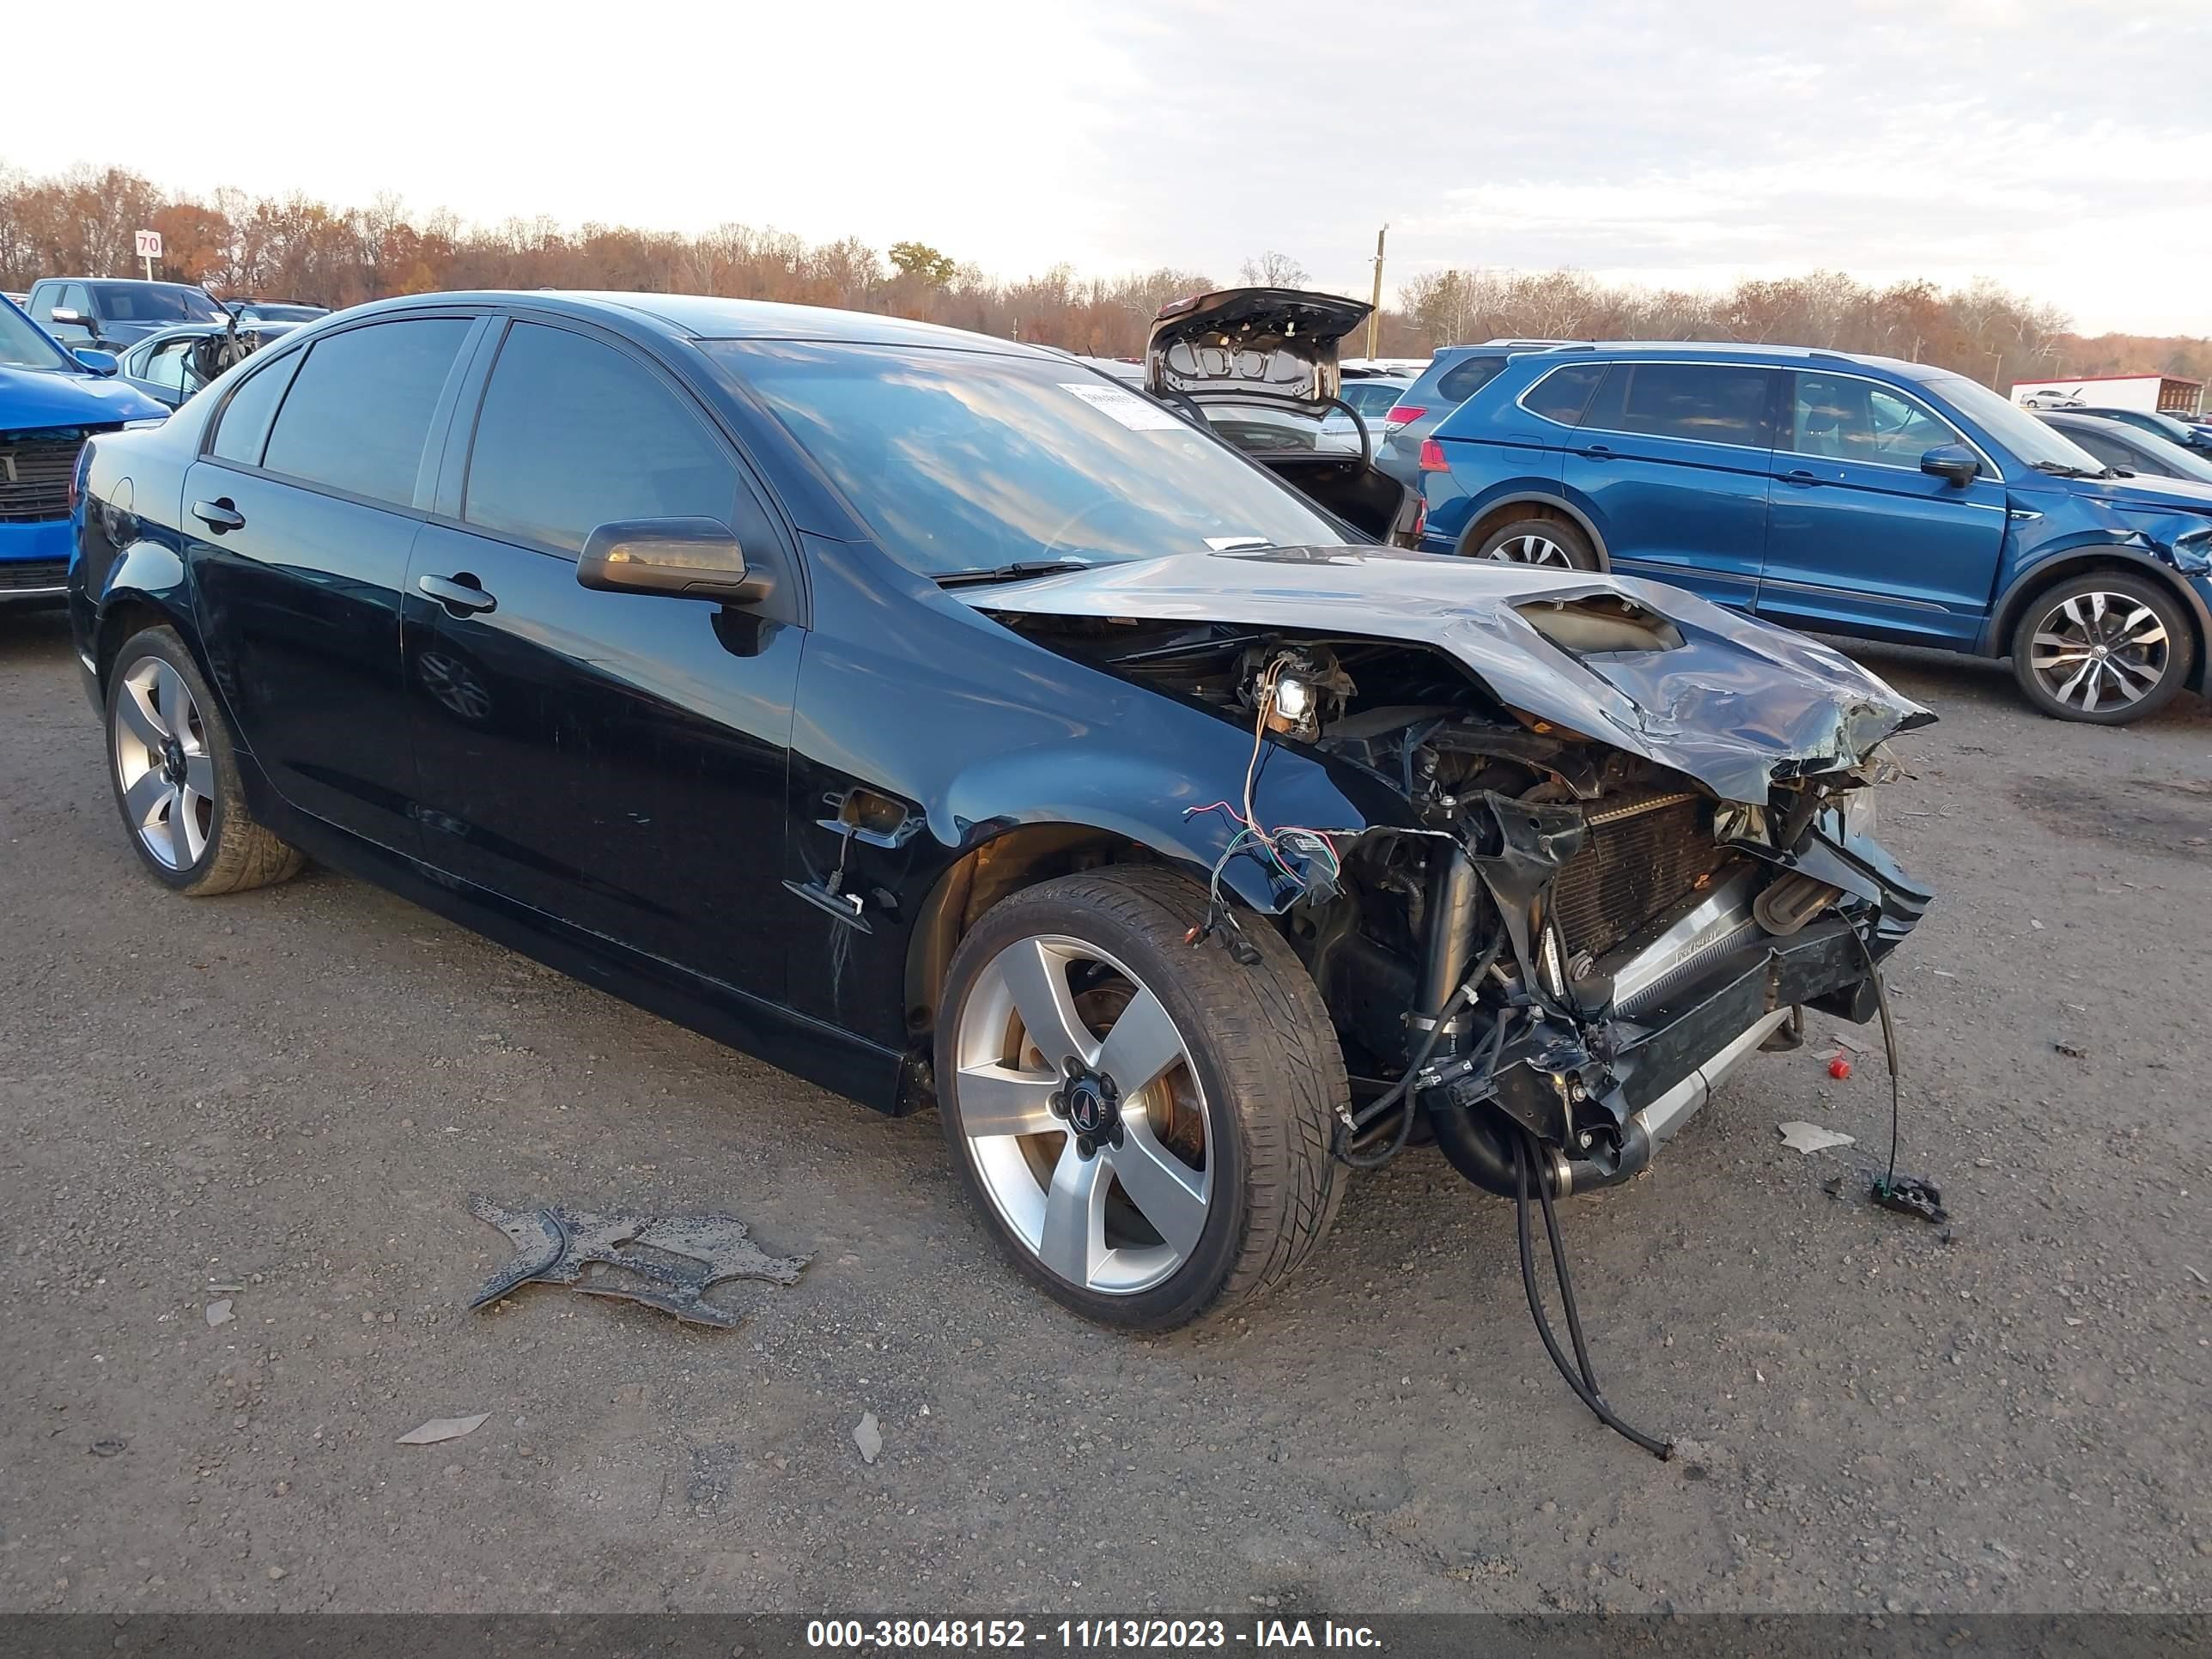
point(2096, 644)
point(1084, 1114)
point(1532, 549)
point(162, 762)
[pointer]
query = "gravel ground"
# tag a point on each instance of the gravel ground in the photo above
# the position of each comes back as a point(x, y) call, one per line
point(294, 1091)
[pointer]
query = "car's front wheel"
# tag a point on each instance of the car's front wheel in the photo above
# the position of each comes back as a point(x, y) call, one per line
point(2107, 648)
point(1145, 1123)
point(1555, 544)
point(175, 773)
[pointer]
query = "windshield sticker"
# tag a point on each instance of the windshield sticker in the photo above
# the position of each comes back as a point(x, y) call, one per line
point(1138, 414)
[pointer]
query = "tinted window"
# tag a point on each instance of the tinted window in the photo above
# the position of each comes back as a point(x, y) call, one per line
point(1462, 380)
point(1718, 404)
point(961, 460)
point(150, 302)
point(246, 418)
point(574, 435)
point(361, 407)
point(1560, 395)
point(2109, 450)
point(1848, 419)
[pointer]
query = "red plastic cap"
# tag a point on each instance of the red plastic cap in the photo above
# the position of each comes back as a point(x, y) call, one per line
point(1432, 457)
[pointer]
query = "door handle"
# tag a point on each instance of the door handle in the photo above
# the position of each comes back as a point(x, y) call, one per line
point(1595, 453)
point(1802, 478)
point(219, 515)
point(459, 594)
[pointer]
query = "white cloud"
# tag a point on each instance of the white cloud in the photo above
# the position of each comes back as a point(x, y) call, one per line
point(2051, 145)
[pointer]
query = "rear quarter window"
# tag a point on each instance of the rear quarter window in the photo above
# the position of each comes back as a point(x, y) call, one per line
point(358, 415)
point(1462, 380)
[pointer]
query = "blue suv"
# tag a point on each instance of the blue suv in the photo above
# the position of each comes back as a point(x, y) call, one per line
point(1849, 495)
point(51, 401)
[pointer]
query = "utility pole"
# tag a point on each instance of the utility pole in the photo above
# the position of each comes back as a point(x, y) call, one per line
point(1375, 316)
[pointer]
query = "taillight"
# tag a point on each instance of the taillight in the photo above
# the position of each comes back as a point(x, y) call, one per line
point(1402, 415)
point(1432, 457)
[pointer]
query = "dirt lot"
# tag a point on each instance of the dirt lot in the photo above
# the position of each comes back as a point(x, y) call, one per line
point(296, 1091)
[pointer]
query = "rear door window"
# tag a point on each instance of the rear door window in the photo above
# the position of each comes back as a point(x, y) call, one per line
point(360, 410)
point(1561, 395)
point(574, 434)
point(1710, 403)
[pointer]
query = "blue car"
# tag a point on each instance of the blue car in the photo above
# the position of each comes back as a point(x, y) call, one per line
point(1855, 496)
point(49, 403)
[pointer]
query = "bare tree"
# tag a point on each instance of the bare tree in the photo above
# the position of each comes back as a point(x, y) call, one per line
point(1272, 269)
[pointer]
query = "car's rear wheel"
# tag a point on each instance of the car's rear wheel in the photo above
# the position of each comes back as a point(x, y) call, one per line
point(175, 773)
point(1146, 1123)
point(2105, 648)
point(1555, 543)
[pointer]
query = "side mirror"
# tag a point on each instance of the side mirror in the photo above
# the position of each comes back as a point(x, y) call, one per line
point(69, 319)
point(99, 363)
point(678, 558)
point(1954, 464)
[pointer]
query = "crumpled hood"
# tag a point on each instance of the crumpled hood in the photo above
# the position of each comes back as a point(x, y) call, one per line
point(30, 398)
point(1737, 704)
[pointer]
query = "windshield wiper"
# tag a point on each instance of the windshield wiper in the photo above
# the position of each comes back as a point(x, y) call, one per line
point(2060, 470)
point(1007, 573)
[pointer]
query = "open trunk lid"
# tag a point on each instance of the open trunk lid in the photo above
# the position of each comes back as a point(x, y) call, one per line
point(1260, 366)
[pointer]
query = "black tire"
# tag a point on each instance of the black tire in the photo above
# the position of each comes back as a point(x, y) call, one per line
point(235, 853)
point(1261, 1044)
point(2103, 609)
point(1565, 545)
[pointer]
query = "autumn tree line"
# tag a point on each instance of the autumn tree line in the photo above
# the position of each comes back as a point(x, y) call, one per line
point(81, 223)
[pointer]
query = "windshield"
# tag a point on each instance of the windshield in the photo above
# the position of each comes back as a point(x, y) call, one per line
point(959, 460)
point(156, 302)
point(24, 344)
point(2031, 439)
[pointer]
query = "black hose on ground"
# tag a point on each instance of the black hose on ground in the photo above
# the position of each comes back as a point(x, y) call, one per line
point(1584, 1381)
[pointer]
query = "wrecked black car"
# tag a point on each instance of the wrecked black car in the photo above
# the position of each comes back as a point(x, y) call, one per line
point(1259, 366)
point(952, 726)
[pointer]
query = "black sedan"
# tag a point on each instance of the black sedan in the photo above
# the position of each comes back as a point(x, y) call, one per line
point(949, 724)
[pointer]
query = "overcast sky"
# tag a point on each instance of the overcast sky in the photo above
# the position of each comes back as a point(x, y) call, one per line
point(2062, 147)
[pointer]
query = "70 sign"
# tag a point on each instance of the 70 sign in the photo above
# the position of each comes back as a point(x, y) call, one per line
point(149, 249)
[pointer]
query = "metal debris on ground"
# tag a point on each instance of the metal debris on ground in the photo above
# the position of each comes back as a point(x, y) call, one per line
point(667, 1262)
point(2071, 1050)
point(1910, 1195)
point(1811, 1137)
point(868, 1437)
point(444, 1428)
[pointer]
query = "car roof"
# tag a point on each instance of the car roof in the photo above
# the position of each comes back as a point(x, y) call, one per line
point(1770, 356)
point(707, 317)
